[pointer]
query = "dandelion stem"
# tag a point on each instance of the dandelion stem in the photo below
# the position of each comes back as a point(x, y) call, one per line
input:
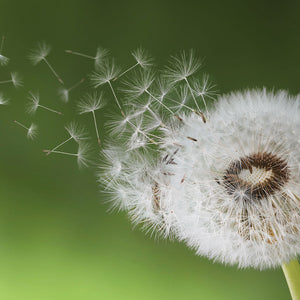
point(20, 124)
point(60, 152)
point(6, 81)
point(80, 54)
point(115, 96)
point(53, 71)
point(129, 69)
point(52, 110)
point(96, 127)
point(56, 147)
point(292, 275)
point(75, 85)
point(160, 102)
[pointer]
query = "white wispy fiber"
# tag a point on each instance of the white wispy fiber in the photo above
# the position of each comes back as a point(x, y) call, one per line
point(40, 53)
point(3, 59)
point(3, 100)
point(229, 188)
point(32, 130)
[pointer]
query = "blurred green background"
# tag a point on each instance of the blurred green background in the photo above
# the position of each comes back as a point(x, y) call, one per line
point(57, 240)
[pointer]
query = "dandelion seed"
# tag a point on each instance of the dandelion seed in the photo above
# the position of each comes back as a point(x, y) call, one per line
point(229, 188)
point(3, 99)
point(34, 104)
point(142, 59)
point(39, 54)
point(89, 104)
point(3, 59)
point(15, 79)
point(106, 74)
point(76, 133)
point(181, 67)
point(64, 92)
point(32, 131)
point(141, 83)
point(81, 155)
point(101, 54)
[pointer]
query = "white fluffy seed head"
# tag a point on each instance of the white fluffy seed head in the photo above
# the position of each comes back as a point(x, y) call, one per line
point(3, 100)
point(77, 132)
point(229, 188)
point(3, 60)
point(33, 104)
point(106, 72)
point(83, 153)
point(32, 131)
point(101, 54)
point(39, 53)
point(16, 79)
point(142, 57)
point(63, 94)
point(182, 66)
point(91, 102)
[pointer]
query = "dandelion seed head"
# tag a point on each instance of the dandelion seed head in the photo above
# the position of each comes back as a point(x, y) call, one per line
point(39, 53)
point(139, 83)
point(101, 54)
point(182, 66)
point(33, 104)
point(16, 79)
point(105, 73)
point(142, 58)
point(91, 102)
point(76, 131)
point(3, 60)
point(228, 188)
point(3, 100)
point(83, 154)
point(63, 94)
point(32, 131)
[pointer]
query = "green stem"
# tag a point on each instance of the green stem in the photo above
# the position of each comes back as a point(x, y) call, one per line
point(292, 275)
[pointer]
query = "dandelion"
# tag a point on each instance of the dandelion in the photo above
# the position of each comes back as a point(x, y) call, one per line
point(39, 54)
point(228, 188)
point(101, 54)
point(142, 59)
point(64, 92)
point(34, 104)
point(15, 79)
point(3, 99)
point(76, 133)
point(82, 154)
point(3, 59)
point(32, 131)
point(89, 104)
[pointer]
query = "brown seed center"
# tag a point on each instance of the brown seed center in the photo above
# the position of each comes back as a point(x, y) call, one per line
point(256, 176)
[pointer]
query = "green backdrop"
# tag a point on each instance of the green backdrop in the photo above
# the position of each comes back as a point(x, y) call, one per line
point(57, 241)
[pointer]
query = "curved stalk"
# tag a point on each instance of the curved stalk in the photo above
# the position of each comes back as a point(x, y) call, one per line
point(292, 275)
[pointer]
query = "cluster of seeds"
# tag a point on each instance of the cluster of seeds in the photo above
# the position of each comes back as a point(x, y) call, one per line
point(221, 176)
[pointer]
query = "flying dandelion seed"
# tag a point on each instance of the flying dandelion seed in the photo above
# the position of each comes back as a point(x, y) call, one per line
point(76, 133)
point(82, 154)
point(101, 54)
point(89, 104)
point(15, 79)
point(34, 104)
point(32, 131)
point(39, 54)
point(143, 59)
point(3, 100)
point(3, 59)
point(64, 92)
